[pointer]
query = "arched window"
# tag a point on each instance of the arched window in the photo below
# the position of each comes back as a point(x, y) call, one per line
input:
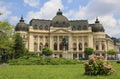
point(85, 27)
point(79, 27)
point(97, 47)
point(46, 27)
point(55, 46)
point(35, 26)
point(60, 46)
point(40, 46)
point(74, 46)
point(57, 22)
point(73, 28)
point(85, 44)
point(103, 47)
point(63, 22)
point(35, 47)
point(40, 27)
point(80, 46)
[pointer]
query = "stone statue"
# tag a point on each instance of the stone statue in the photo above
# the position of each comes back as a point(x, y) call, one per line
point(64, 43)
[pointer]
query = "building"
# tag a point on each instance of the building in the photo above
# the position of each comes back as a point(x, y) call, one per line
point(78, 35)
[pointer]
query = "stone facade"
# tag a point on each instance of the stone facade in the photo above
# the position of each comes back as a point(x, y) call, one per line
point(79, 34)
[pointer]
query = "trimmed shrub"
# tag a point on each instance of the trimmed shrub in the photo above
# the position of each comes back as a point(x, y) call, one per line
point(28, 60)
point(96, 65)
point(118, 61)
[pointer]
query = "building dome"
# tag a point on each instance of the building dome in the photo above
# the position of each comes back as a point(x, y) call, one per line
point(59, 20)
point(97, 27)
point(21, 26)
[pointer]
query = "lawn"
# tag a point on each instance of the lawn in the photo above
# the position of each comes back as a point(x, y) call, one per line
point(51, 72)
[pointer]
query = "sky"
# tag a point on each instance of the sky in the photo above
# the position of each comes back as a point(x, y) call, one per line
point(107, 11)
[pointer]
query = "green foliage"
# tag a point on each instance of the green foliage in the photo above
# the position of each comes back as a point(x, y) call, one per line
point(111, 52)
point(6, 39)
point(118, 61)
point(30, 60)
point(19, 46)
point(47, 51)
point(98, 66)
point(88, 51)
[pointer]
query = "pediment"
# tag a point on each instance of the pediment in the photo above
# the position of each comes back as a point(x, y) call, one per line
point(61, 31)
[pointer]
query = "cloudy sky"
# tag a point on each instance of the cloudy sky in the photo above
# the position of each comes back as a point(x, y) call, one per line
point(107, 11)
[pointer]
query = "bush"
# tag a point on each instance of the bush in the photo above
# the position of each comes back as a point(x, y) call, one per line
point(96, 65)
point(118, 61)
point(29, 60)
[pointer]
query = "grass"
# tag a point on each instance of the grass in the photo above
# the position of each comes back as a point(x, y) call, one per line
point(51, 72)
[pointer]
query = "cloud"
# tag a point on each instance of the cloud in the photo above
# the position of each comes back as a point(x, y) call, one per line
point(32, 3)
point(14, 19)
point(47, 11)
point(104, 9)
point(70, 1)
point(4, 10)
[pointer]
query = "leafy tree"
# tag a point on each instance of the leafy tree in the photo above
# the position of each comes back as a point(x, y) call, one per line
point(47, 51)
point(19, 46)
point(111, 52)
point(88, 51)
point(6, 39)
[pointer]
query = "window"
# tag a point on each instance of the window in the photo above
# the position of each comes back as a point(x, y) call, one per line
point(74, 46)
point(55, 46)
point(73, 28)
point(80, 46)
point(57, 22)
point(85, 27)
point(63, 22)
point(103, 47)
point(35, 26)
point(40, 46)
point(74, 56)
point(97, 47)
point(60, 46)
point(79, 27)
point(40, 27)
point(46, 27)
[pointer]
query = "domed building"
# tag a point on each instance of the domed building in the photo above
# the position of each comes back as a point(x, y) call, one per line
point(67, 38)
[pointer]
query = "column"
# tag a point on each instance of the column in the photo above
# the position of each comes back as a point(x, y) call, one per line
point(77, 44)
point(83, 47)
point(105, 50)
point(43, 40)
point(31, 43)
point(38, 43)
point(51, 42)
point(70, 48)
point(57, 43)
point(90, 41)
point(100, 46)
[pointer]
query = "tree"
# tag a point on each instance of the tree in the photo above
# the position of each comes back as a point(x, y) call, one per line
point(47, 51)
point(19, 46)
point(6, 39)
point(88, 51)
point(111, 52)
